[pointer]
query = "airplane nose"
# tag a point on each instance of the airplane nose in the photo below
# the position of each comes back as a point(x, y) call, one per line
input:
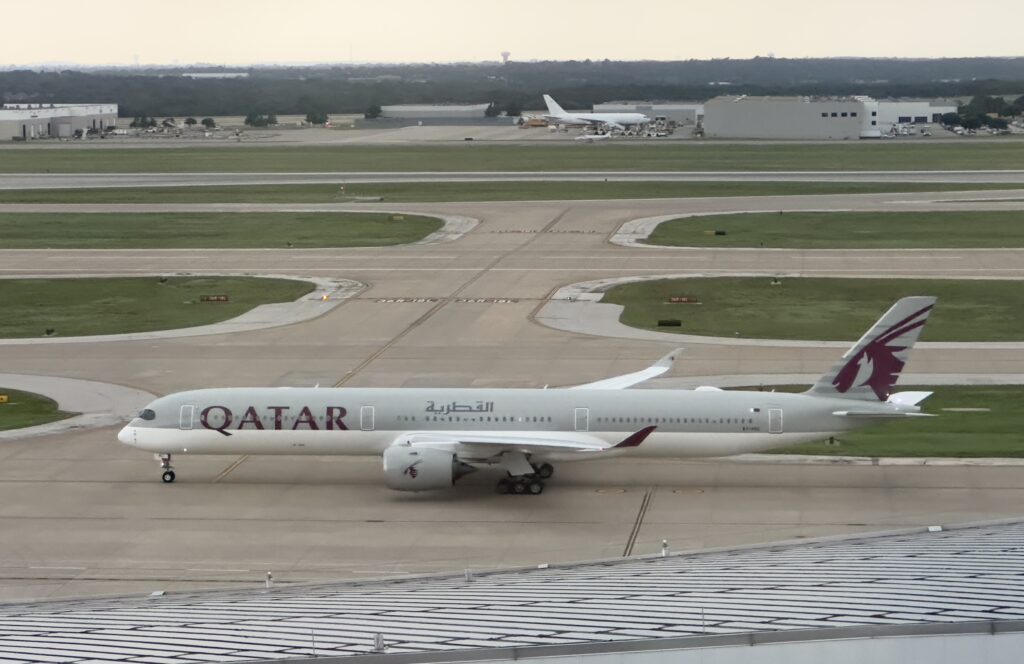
point(127, 435)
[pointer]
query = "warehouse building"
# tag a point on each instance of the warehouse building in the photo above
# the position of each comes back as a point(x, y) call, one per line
point(745, 116)
point(912, 111)
point(434, 111)
point(682, 113)
point(31, 121)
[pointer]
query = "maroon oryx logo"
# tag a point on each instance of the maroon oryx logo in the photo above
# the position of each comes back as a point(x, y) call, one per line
point(876, 365)
point(411, 471)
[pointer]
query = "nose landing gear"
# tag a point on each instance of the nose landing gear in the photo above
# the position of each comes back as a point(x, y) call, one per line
point(165, 463)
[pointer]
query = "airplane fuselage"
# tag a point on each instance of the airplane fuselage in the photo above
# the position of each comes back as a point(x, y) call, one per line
point(365, 421)
point(624, 119)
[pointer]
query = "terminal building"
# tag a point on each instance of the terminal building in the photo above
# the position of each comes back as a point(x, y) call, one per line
point(30, 121)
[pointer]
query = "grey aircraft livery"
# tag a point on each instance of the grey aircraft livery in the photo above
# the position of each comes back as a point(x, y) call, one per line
point(429, 438)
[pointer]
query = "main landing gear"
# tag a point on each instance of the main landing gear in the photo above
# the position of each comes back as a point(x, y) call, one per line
point(532, 484)
point(165, 463)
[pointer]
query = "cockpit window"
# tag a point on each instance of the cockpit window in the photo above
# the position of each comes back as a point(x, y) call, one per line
point(148, 414)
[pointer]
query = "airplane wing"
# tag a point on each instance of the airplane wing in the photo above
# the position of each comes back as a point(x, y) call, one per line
point(630, 379)
point(496, 443)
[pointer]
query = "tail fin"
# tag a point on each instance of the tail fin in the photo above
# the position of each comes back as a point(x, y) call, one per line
point(869, 370)
point(553, 107)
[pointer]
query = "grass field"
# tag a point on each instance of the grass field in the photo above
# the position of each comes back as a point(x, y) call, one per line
point(24, 409)
point(79, 307)
point(822, 309)
point(833, 230)
point(682, 156)
point(166, 230)
point(417, 192)
point(952, 434)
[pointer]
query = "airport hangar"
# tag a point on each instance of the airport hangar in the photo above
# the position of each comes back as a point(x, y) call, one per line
point(31, 121)
point(744, 116)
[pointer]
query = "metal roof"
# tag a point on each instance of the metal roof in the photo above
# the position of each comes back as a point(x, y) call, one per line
point(961, 575)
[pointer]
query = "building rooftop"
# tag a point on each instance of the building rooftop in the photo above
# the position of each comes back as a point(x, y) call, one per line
point(960, 575)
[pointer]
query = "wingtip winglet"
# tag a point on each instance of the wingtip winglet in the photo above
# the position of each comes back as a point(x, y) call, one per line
point(668, 360)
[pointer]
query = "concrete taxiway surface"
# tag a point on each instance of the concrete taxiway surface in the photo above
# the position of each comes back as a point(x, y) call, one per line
point(81, 514)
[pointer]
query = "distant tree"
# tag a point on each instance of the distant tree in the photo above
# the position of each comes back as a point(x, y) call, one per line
point(513, 109)
point(971, 123)
point(190, 122)
point(951, 119)
point(317, 117)
point(981, 104)
point(373, 112)
point(209, 123)
point(260, 120)
point(998, 123)
point(492, 110)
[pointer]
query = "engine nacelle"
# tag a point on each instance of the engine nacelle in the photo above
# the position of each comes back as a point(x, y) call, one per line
point(409, 468)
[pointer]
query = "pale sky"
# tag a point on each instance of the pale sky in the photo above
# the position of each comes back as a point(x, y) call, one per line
point(257, 31)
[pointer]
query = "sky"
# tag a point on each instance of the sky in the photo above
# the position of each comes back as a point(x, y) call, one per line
point(234, 32)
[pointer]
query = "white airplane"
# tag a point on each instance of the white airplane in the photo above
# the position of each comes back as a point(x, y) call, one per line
point(556, 115)
point(592, 138)
point(429, 438)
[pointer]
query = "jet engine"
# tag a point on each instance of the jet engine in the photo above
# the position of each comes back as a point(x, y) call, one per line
point(409, 468)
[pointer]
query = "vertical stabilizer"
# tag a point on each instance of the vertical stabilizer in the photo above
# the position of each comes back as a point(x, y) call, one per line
point(553, 107)
point(870, 369)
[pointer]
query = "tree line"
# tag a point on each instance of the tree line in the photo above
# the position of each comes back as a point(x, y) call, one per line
point(511, 87)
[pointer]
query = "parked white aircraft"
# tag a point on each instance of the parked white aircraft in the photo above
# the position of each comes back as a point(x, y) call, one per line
point(556, 115)
point(592, 138)
point(429, 438)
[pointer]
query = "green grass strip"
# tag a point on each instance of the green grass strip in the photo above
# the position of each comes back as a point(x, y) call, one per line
point(846, 230)
point(821, 309)
point(1005, 153)
point(213, 230)
point(79, 307)
point(24, 409)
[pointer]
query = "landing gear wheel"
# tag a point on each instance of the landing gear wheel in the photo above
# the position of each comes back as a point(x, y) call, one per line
point(545, 471)
point(518, 487)
point(504, 485)
point(535, 487)
point(165, 464)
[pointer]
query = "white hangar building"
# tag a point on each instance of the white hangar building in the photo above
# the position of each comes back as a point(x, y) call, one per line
point(434, 111)
point(682, 113)
point(29, 121)
point(744, 116)
point(913, 111)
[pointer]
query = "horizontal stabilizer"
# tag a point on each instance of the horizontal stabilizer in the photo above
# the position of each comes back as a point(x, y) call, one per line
point(879, 415)
point(906, 399)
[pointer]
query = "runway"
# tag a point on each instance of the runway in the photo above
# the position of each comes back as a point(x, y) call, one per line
point(81, 514)
point(107, 180)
